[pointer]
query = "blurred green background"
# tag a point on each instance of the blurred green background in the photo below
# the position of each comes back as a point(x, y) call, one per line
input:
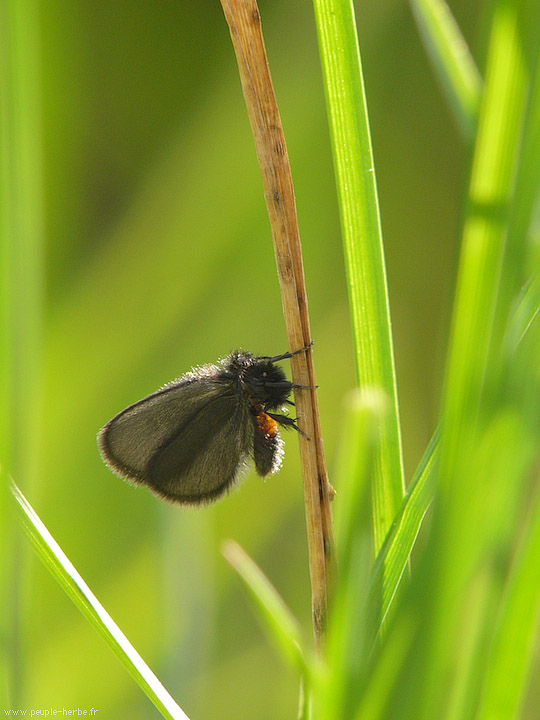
point(158, 258)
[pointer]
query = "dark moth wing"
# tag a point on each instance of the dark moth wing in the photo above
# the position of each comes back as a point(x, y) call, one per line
point(186, 442)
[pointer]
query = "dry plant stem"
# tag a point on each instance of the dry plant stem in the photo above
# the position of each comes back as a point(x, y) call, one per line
point(245, 27)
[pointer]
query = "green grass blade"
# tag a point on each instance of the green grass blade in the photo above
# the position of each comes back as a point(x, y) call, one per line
point(516, 635)
point(21, 294)
point(278, 618)
point(362, 237)
point(485, 229)
point(69, 579)
point(518, 249)
point(394, 555)
point(498, 468)
point(452, 60)
point(349, 638)
point(524, 316)
point(395, 552)
point(482, 454)
point(374, 700)
point(363, 413)
point(22, 216)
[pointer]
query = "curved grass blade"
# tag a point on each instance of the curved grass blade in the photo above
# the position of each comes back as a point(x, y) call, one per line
point(68, 578)
point(280, 621)
point(452, 60)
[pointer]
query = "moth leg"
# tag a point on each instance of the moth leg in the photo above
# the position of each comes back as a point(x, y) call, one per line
point(287, 421)
point(285, 356)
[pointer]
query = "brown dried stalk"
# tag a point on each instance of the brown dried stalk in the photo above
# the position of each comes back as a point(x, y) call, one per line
point(245, 27)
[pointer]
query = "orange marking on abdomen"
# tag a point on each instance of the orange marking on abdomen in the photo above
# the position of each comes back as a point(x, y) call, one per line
point(266, 424)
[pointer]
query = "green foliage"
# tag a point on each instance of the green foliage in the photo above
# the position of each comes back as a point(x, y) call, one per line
point(458, 622)
point(128, 255)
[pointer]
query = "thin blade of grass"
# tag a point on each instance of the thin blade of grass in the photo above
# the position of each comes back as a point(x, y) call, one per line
point(373, 703)
point(519, 261)
point(452, 61)
point(281, 623)
point(349, 636)
point(525, 320)
point(69, 579)
point(22, 217)
point(517, 631)
point(524, 316)
point(21, 296)
point(515, 638)
point(481, 421)
point(503, 459)
point(394, 555)
point(362, 237)
point(363, 413)
point(485, 230)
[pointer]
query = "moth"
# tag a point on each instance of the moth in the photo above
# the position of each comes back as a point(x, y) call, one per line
point(189, 441)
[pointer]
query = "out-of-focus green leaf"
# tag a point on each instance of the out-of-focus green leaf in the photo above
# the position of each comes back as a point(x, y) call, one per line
point(516, 633)
point(452, 60)
point(484, 454)
point(278, 618)
point(349, 634)
point(22, 271)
